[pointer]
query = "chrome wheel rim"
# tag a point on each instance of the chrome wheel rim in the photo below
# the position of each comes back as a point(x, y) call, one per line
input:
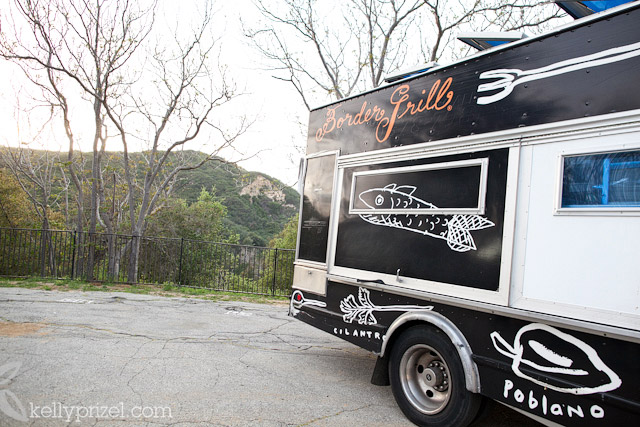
point(425, 378)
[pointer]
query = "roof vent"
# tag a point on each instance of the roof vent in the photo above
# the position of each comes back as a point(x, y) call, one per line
point(487, 40)
point(403, 74)
point(579, 9)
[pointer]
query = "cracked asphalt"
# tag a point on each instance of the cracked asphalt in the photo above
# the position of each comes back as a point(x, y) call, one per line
point(94, 358)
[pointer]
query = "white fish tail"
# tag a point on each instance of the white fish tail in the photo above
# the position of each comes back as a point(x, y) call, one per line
point(459, 236)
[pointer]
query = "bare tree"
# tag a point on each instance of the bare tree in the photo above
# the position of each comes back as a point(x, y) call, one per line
point(185, 94)
point(144, 91)
point(444, 19)
point(352, 43)
point(340, 48)
point(35, 173)
point(83, 42)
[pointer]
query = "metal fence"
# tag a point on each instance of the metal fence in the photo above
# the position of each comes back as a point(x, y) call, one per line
point(182, 262)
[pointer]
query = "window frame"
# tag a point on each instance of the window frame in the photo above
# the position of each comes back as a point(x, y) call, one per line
point(303, 261)
point(593, 210)
point(483, 163)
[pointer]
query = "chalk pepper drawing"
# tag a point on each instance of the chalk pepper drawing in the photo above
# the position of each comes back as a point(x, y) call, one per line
point(536, 347)
point(454, 229)
point(362, 310)
point(509, 78)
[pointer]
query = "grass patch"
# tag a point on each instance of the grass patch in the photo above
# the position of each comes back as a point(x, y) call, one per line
point(21, 283)
point(167, 290)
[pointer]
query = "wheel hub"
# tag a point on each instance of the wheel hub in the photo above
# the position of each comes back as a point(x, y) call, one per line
point(434, 377)
point(425, 379)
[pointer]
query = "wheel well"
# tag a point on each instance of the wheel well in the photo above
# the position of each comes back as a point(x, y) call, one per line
point(400, 330)
point(444, 325)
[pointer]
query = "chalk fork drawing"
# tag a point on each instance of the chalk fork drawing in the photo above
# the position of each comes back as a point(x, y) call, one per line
point(509, 78)
point(362, 310)
point(10, 405)
point(582, 365)
point(454, 229)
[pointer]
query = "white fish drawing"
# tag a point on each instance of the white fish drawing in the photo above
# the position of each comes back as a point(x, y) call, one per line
point(454, 229)
point(534, 347)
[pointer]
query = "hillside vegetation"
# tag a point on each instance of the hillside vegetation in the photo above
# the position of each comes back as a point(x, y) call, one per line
point(252, 207)
point(258, 206)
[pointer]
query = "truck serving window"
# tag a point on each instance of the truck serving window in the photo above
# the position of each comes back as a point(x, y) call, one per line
point(316, 207)
point(607, 181)
point(447, 188)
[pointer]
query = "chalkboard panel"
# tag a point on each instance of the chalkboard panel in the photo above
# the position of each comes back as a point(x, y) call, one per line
point(316, 208)
point(460, 249)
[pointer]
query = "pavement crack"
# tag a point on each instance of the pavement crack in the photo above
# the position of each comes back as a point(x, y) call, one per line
point(344, 411)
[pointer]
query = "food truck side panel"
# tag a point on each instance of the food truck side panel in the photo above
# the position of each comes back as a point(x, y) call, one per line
point(567, 376)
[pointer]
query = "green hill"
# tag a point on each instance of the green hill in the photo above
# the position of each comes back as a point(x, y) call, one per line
point(258, 206)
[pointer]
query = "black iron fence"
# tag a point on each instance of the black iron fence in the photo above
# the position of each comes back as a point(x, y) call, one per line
point(111, 258)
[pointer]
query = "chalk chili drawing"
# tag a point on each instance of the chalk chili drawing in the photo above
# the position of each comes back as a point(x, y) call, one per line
point(509, 78)
point(536, 347)
point(362, 310)
point(454, 229)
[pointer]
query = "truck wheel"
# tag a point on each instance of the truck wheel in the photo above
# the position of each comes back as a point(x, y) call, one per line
point(427, 379)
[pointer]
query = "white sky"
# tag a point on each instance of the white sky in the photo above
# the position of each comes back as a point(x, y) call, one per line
point(274, 143)
point(278, 111)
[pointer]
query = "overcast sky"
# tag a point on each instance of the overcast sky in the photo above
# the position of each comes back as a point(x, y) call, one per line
point(277, 109)
point(274, 143)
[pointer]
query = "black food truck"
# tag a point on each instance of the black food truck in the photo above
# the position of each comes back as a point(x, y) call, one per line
point(477, 226)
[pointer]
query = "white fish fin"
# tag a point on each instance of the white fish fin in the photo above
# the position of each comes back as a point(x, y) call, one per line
point(406, 189)
point(471, 222)
point(390, 187)
point(460, 239)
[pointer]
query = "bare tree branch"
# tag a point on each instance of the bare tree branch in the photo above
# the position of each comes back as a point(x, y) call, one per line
point(304, 44)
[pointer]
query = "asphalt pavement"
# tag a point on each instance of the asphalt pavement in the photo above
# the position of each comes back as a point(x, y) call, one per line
point(120, 359)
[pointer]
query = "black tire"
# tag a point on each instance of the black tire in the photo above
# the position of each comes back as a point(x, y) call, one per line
point(427, 379)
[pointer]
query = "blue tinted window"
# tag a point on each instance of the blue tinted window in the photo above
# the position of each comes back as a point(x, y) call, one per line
point(599, 6)
point(497, 42)
point(602, 180)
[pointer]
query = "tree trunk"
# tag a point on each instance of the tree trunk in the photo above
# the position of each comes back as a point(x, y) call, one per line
point(132, 274)
point(44, 243)
point(111, 245)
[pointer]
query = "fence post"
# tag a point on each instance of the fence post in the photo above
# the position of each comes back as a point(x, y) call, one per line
point(43, 252)
point(180, 263)
point(73, 256)
point(275, 269)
